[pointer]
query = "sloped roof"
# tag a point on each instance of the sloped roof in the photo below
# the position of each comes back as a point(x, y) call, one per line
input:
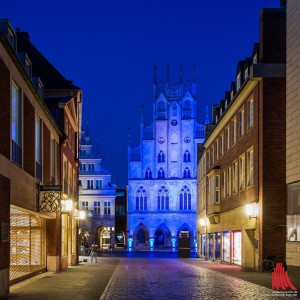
point(41, 67)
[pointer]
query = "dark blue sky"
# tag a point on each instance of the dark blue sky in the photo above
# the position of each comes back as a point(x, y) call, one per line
point(109, 49)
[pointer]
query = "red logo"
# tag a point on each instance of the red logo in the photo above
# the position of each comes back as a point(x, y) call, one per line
point(280, 278)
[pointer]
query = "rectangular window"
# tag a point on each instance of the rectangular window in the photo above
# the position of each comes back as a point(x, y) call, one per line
point(38, 147)
point(85, 205)
point(293, 212)
point(96, 207)
point(238, 81)
point(242, 122)
point(250, 113)
point(16, 125)
point(242, 172)
point(207, 159)
point(229, 182)
point(53, 160)
point(227, 132)
point(217, 150)
point(82, 167)
point(234, 131)
point(107, 207)
point(212, 154)
point(222, 145)
point(223, 184)
point(90, 184)
point(246, 73)
point(98, 184)
point(235, 177)
point(217, 189)
point(91, 167)
point(250, 173)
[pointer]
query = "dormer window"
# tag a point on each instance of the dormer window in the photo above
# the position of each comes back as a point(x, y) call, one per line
point(255, 59)
point(238, 81)
point(28, 67)
point(216, 119)
point(231, 95)
point(11, 37)
point(221, 112)
point(226, 104)
point(246, 73)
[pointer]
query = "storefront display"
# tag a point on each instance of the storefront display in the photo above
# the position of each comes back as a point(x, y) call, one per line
point(217, 246)
point(27, 244)
point(226, 246)
point(237, 247)
point(210, 246)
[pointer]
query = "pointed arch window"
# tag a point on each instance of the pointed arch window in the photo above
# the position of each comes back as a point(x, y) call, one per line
point(161, 173)
point(185, 198)
point(141, 199)
point(148, 174)
point(163, 198)
point(187, 173)
point(161, 156)
point(187, 156)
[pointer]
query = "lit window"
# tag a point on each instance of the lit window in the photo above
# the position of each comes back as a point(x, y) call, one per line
point(227, 132)
point(250, 173)
point(250, 113)
point(234, 131)
point(231, 95)
point(223, 184)
point(242, 122)
point(242, 172)
point(235, 177)
point(229, 181)
point(214, 189)
point(16, 125)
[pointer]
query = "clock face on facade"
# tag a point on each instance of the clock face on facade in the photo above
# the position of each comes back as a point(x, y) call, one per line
point(161, 140)
point(174, 122)
point(187, 139)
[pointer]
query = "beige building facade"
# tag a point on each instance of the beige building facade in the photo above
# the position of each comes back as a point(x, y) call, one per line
point(293, 137)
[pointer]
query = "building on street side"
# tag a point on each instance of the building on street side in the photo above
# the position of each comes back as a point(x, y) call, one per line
point(241, 168)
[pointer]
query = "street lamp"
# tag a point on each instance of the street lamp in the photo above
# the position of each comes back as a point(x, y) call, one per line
point(251, 210)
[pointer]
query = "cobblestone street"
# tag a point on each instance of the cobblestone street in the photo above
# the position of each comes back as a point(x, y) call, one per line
point(162, 278)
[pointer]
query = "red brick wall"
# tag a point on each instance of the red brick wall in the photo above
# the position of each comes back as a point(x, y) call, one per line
point(273, 162)
point(4, 110)
point(29, 137)
point(46, 155)
point(4, 218)
point(272, 35)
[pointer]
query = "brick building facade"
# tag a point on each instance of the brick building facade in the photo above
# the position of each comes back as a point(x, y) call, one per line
point(242, 165)
point(32, 148)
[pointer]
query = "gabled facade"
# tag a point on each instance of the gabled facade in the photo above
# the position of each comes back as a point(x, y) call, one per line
point(97, 198)
point(162, 169)
point(241, 169)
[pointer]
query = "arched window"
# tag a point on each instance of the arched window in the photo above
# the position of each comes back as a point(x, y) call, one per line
point(187, 156)
point(141, 199)
point(161, 156)
point(161, 173)
point(148, 174)
point(186, 173)
point(185, 198)
point(163, 198)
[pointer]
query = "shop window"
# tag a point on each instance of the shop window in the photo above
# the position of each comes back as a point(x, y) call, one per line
point(293, 212)
point(226, 246)
point(237, 247)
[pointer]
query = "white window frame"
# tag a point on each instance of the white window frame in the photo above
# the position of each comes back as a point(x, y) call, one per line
point(242, 177)
point(242, 122)
point(250, 112)
point(234, 131)
point(250, 168)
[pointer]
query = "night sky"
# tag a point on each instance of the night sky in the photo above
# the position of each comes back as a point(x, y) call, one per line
point(109, 49)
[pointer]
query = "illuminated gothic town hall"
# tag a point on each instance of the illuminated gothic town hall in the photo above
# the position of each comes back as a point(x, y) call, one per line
point(162, 183)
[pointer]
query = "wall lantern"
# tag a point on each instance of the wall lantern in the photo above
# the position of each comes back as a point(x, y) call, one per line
point(251, 210)
point(68, 205)
point(82, 215)
point(203, 222)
